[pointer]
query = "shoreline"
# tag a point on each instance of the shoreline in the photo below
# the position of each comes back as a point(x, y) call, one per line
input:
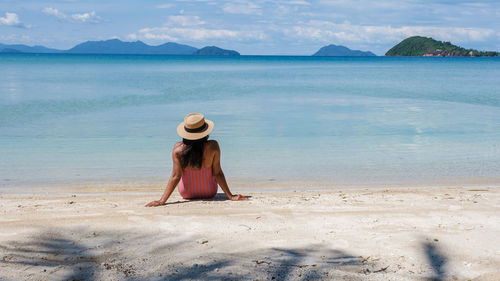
point(237, 185)
point(349, 234)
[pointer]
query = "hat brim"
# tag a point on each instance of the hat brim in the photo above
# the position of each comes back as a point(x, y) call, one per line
point(195, 136)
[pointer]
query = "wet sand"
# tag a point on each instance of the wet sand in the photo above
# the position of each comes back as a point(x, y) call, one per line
point(442, 233)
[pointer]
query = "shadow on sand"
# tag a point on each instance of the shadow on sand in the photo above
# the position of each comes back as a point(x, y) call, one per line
point(80, 254)
point(217, 197)
point(436, 259)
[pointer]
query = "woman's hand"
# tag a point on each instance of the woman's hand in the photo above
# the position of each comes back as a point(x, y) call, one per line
point(155, 203)
point(238, 197)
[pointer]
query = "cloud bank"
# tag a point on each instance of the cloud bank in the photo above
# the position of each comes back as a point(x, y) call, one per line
point(89, 17)
point(258, 26)
point(325, 31)
point(246, 8)
point(12, 19)
point(192, 28)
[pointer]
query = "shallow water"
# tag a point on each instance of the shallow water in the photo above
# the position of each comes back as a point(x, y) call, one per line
point(329, 120)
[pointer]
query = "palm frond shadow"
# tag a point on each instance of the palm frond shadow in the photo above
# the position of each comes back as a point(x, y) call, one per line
point(115, 255)
point(436, 259)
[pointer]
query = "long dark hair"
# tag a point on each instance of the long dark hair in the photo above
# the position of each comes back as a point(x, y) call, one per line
point(192, 155)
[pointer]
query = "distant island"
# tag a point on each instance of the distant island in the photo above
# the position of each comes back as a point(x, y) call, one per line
point(19, 48)
point(427, 47)
point(10, 51)
point(215, 51)
point(341, 51)
point(412, 46)
point(115, 46)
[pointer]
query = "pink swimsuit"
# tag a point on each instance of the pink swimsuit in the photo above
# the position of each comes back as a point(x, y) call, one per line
point(197, 184)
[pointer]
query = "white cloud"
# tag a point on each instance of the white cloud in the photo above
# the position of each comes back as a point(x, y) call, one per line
point(132, 36)
point(54, 12)
point(86, 17)
point(324, 31)
point(90, 17)
point(364, 4)
point(185, 20)
point(164, 6)
point(196, 34)
point(12, 19)
point(192, 28)
point(15, 38)
point(296, 2)
point(246, 8)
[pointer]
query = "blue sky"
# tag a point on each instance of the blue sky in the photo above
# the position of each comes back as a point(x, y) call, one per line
point(295, 27)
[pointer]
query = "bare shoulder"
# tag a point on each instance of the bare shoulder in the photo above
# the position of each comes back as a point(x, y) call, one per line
point(213, 145)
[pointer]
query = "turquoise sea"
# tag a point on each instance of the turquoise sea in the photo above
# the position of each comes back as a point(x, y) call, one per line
point(332, 121)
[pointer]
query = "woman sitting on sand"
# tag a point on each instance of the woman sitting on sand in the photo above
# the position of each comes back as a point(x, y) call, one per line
point(196, 163)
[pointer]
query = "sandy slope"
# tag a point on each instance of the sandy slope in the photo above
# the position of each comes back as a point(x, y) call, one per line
point(397, 234)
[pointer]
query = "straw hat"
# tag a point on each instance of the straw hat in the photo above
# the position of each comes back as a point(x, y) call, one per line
point(195, 127)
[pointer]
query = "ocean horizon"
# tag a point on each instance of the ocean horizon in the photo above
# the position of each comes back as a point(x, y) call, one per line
point(280, 120)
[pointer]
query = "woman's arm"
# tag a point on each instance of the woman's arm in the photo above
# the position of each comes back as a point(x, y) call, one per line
point(175, 177)
point(219, 175)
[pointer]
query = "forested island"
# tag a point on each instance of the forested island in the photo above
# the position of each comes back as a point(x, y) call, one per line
point(427, 47)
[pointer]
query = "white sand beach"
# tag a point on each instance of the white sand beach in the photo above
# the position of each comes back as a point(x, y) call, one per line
point(441, 233)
